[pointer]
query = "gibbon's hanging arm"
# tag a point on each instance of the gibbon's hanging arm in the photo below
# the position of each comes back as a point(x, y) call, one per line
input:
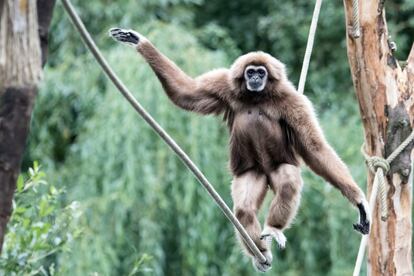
point(77, 22)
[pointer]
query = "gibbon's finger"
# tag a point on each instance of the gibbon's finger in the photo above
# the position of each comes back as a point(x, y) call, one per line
point(114, 30)
point(363, 227)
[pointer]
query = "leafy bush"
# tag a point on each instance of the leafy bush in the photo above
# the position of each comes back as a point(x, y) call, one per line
point(39, 228)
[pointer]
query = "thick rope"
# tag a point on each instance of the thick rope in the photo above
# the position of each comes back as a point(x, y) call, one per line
point(309, 46)
point(379, 166)
point(77, 22)
point(356, 28)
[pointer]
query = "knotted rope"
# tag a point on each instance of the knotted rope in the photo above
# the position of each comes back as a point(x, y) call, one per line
point(380, 167)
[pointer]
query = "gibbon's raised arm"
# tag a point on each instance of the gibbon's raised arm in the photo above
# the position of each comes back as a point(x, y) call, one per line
point(321, 158)
point(204, 94)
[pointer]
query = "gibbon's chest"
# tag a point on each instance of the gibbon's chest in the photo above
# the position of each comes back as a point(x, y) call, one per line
point(257, 121)
point(259, 141)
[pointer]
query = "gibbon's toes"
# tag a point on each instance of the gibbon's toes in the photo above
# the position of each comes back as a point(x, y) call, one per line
point(276, 234)
point(125, 36)
point(263, 267)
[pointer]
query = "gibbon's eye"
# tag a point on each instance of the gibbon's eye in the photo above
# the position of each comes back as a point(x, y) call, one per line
point(250, 72)
point(261, 72)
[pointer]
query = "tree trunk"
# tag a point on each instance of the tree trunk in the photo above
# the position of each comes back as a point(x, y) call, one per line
point(20, 71)
point(385, 91)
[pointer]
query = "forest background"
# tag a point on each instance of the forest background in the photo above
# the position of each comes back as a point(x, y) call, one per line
point(103, 195)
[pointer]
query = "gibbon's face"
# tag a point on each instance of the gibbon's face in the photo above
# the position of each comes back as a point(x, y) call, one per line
point(255, 78)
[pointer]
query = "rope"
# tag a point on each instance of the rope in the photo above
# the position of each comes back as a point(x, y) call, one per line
point(309, 46)
point(77, 22)
point(356, 28)
point(379, 166)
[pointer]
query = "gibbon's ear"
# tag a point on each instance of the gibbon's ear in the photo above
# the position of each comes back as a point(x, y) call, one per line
point(275, 68)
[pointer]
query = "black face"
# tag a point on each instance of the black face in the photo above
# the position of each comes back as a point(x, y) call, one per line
point(255, 78)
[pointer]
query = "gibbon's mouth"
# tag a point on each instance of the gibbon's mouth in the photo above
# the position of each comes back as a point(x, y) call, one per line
point(255, 86)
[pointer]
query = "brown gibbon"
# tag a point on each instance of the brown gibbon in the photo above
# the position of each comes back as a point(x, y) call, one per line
point(272, 129)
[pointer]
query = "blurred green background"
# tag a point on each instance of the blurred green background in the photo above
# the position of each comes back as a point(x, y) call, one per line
point(141, 211)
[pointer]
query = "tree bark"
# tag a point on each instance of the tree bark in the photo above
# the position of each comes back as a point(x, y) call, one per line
point(23, 39)
point(385, 92)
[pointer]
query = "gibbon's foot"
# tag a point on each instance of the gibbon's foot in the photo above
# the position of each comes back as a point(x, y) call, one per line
point(276, 234)
point(129, 37)
point(364, 221)
point(263, 267)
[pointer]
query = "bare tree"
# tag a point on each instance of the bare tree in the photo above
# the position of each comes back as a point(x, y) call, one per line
point(23, 42)
point(385, 90)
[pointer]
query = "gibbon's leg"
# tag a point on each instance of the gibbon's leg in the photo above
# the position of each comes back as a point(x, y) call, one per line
point(286, 182)
point(248, 191)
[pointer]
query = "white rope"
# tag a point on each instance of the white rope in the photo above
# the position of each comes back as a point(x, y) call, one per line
point(309, 46)
point(364, 239)
point(379, 166)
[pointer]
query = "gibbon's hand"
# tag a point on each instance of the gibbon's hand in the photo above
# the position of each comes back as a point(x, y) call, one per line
point(364, 221)
point(129, 37)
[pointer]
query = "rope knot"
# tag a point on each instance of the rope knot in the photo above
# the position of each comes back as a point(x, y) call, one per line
point(376, 162)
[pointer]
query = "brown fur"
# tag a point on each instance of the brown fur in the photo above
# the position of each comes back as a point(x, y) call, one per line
point(269, 134)
point(248, 191)
point(286, 183)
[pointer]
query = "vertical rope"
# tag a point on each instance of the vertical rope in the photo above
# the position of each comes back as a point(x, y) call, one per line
point(364, 239)
point(309, 46)
point(356, 28)
point(383, 194)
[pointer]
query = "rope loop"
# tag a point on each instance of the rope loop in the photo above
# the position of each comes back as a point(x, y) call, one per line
point(376, 162)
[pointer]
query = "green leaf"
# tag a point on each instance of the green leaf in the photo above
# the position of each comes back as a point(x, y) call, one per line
point(20, 184)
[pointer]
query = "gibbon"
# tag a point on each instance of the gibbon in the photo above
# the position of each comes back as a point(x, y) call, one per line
point(272, 129)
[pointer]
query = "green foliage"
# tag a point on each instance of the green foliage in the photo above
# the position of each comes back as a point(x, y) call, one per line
point(143, 212)
point(38, 232)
